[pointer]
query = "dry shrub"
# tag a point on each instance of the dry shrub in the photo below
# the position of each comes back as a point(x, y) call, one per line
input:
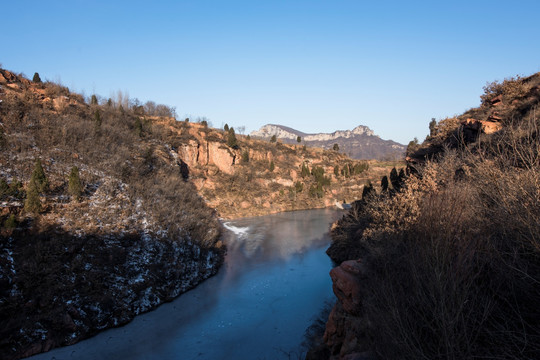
point(455, 256)
point(510, 88)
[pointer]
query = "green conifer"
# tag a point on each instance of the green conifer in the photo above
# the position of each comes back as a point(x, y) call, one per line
point(74, 184)
point(394, 179)
point(368, 191)
point(432, 127)
point(32, 204)
point(97, 118)
point(36, 78)
point(138, 127)
point(384, 183)
point(305, 170)
point(4, 188)
point(231, 139)
point(245, 156)
point(11, 222)
point(39, 178)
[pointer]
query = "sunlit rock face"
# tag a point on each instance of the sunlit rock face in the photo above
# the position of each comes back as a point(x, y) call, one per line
point(359, 143)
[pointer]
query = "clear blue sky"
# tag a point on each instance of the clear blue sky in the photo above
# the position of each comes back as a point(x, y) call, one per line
point(316, 66)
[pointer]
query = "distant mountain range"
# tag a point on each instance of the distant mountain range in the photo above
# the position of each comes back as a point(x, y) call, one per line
point(359, 143)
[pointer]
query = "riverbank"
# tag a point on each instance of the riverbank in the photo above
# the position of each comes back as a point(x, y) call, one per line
point(272, 284)
point(117, 279)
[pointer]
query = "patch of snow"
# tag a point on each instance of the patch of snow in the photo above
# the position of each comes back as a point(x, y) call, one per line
point(239, 231)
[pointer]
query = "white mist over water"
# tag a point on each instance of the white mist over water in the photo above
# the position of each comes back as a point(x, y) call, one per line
point(272, 285)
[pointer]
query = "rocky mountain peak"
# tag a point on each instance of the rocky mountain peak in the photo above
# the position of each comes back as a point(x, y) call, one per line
point(359, 143)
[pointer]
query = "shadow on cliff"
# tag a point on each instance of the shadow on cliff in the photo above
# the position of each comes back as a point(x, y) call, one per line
point(57, 288)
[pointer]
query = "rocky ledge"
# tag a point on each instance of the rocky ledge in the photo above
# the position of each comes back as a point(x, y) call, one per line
point(345, 335)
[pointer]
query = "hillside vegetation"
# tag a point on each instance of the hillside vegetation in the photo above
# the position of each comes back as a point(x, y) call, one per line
point(97, 222)
point(450, 260)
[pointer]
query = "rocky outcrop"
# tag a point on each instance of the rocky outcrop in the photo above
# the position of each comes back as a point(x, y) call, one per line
point(222, 157)
point(344, 336)
point(489, 126)
point(189, 153)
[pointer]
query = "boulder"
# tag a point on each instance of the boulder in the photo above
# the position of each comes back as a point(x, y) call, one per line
point(489, 127)
point(346, 280)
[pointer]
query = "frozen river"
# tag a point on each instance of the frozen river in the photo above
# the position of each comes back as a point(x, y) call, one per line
point(271, 287)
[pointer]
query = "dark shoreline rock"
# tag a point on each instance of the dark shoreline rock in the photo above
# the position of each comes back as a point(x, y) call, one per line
point(345, 335)
point(79, 286)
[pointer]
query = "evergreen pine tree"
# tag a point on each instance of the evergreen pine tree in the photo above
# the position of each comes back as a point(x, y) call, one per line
point(245, 156)
point(384, 183)
point(305, 170)
point(11, 222)
point(74, 184)
point(39, 178)
point(15, 189)
point(93, 100)
point(226, 127)
point(272, 166)
point(394, 179)
point(432, 127)
point(231, 139)
point(138, 127)
point(335, 147)
point(273, 139)
point(32, 204)
point(298, 139)
point(97, 118)
point(368, 191)
point(4, 188)
point(36, 78)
